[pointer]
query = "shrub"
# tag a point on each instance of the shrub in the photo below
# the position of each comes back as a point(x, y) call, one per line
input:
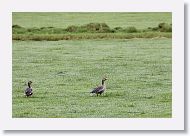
point(91, 27)
point(164, 27)
point(52, 30)
point(155, 29)
point(18, 29)
point(131, 29)
point(33, 30)
point(118, 29)
point(16, 26)
point(96, 27)
point(71, 28)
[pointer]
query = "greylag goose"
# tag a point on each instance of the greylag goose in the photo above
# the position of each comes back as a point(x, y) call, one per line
point(28, 91)
point(100, 89)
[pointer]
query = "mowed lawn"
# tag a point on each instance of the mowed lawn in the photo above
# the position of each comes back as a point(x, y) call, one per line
point(139, 81)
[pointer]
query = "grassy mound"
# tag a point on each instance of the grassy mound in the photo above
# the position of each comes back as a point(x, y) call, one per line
point(162, 27)
point(91, 27)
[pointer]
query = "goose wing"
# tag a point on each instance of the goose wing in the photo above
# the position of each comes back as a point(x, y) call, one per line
point(28, 90)
point(97, 89)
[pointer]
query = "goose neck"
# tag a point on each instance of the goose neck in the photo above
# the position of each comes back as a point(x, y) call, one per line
point(29, 85)
point(103, 82)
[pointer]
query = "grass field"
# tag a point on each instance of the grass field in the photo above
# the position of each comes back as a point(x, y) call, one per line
point(80, 26)
point(61, 20)
point(63, 73)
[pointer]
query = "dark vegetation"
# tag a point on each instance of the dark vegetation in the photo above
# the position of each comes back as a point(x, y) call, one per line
point(83, 36)
point(162, 27)
point(89, 31)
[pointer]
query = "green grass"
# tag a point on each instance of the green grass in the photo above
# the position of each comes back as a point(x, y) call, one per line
point(89, 28)
point(63, 73)
point(79, 36)
point(115, 19)
point(76, 26)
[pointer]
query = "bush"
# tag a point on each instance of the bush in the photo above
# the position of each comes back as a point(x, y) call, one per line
point(117, 29)
point(16, 26)
point(131, 29)
point(52, 30)
point(155, 29)
point(18, 29)
point(91, 27)
point(164, 27)
point(33, 30)
point(96, 27)
point(72, 28)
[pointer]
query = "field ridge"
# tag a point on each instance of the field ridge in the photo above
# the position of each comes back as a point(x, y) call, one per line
point(89, 31)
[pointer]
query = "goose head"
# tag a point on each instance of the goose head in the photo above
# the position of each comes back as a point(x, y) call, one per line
point(29, 83)
point(104, 79)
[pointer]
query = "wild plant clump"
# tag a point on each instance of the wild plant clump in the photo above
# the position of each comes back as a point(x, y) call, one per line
point(131, 29)
point(18, 29)
point(97, 27)
point(89, 31)
point(16, 26)
point(91, 28)
point(72, 28)
point(162, 27)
